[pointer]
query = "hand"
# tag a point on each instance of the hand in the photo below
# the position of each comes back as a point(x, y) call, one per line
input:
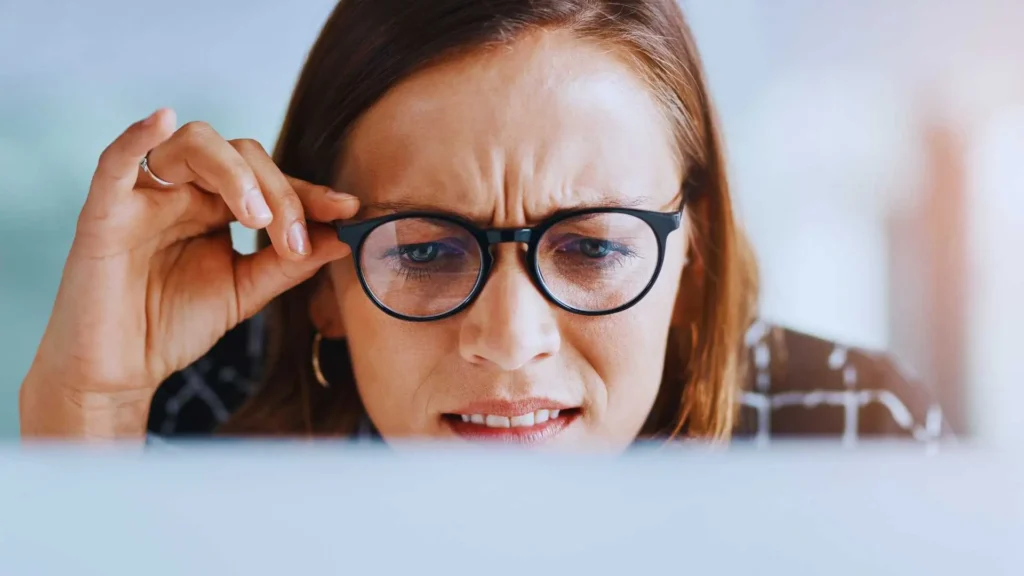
point(152, 280)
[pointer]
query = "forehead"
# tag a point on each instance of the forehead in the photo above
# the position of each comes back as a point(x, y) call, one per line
point(514, 133)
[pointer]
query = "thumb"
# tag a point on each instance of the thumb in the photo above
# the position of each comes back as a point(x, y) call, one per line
point(261, 277)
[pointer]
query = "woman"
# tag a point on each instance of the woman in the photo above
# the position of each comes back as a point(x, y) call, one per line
point(483, 220)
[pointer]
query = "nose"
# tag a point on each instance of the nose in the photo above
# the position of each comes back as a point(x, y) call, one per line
point(510, 324)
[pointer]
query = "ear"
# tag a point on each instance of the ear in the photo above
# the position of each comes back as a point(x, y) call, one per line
point(324, 310)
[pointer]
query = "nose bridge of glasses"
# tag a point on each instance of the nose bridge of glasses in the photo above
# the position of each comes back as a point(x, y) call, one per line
point(507, 235)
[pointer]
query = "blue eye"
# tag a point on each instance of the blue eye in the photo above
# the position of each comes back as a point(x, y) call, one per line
point(595, 248)
point(424, 252)
point(420, 253)
point(423, 259)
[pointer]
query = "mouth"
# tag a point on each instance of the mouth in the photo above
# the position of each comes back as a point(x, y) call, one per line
point(512, 423)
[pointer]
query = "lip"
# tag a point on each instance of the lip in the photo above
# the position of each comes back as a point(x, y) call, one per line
point(510, 408)
point(535, 434)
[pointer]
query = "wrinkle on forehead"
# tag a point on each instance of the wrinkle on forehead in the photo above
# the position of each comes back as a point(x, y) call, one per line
point(374, 209)
point(512, 134)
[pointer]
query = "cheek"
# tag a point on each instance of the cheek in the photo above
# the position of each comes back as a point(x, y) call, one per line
point(628, 351)
point(632, 363)
point(390, 358)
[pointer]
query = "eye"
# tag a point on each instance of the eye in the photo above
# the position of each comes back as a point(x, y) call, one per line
point(420, 253)
point(593, 248)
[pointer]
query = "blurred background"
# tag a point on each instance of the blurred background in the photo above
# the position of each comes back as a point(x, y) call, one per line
point(876, 150)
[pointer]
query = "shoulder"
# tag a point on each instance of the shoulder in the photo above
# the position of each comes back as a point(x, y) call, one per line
point(798, 385)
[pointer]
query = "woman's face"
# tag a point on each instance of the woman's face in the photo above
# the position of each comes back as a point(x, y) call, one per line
point(506, 138)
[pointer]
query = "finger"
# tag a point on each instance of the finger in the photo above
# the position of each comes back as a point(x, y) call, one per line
point(196, 154)
point(188, 211)
point(293, 201)
point(118, 167)
point(261, 277)
point(288, 232)
point(324, 204)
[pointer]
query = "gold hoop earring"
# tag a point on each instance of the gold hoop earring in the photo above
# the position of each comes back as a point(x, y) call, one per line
point(317, 372)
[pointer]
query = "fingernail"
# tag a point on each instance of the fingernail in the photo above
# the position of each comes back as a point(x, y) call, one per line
point(150, 119)
point(257, 207)
point(297, 239)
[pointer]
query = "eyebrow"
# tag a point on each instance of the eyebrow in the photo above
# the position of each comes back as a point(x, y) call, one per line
point(398, 206)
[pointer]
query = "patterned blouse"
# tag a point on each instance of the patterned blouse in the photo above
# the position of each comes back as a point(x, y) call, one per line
point(798, 386)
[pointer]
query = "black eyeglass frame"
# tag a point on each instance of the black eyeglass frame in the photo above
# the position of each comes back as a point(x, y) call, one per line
point(661, 223)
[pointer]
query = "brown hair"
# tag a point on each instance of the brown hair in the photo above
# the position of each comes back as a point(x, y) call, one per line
point(366, 47)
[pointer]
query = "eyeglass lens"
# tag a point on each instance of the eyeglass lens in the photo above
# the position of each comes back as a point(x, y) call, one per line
point(425, 267)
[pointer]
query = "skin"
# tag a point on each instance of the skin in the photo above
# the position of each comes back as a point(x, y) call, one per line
point(152, 282)
point(509, 136)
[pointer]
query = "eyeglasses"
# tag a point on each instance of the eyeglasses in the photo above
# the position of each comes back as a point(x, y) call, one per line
point(421, 266)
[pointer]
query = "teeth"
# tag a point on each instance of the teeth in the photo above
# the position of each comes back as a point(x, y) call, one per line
point(497, 422)
point(524, 420)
